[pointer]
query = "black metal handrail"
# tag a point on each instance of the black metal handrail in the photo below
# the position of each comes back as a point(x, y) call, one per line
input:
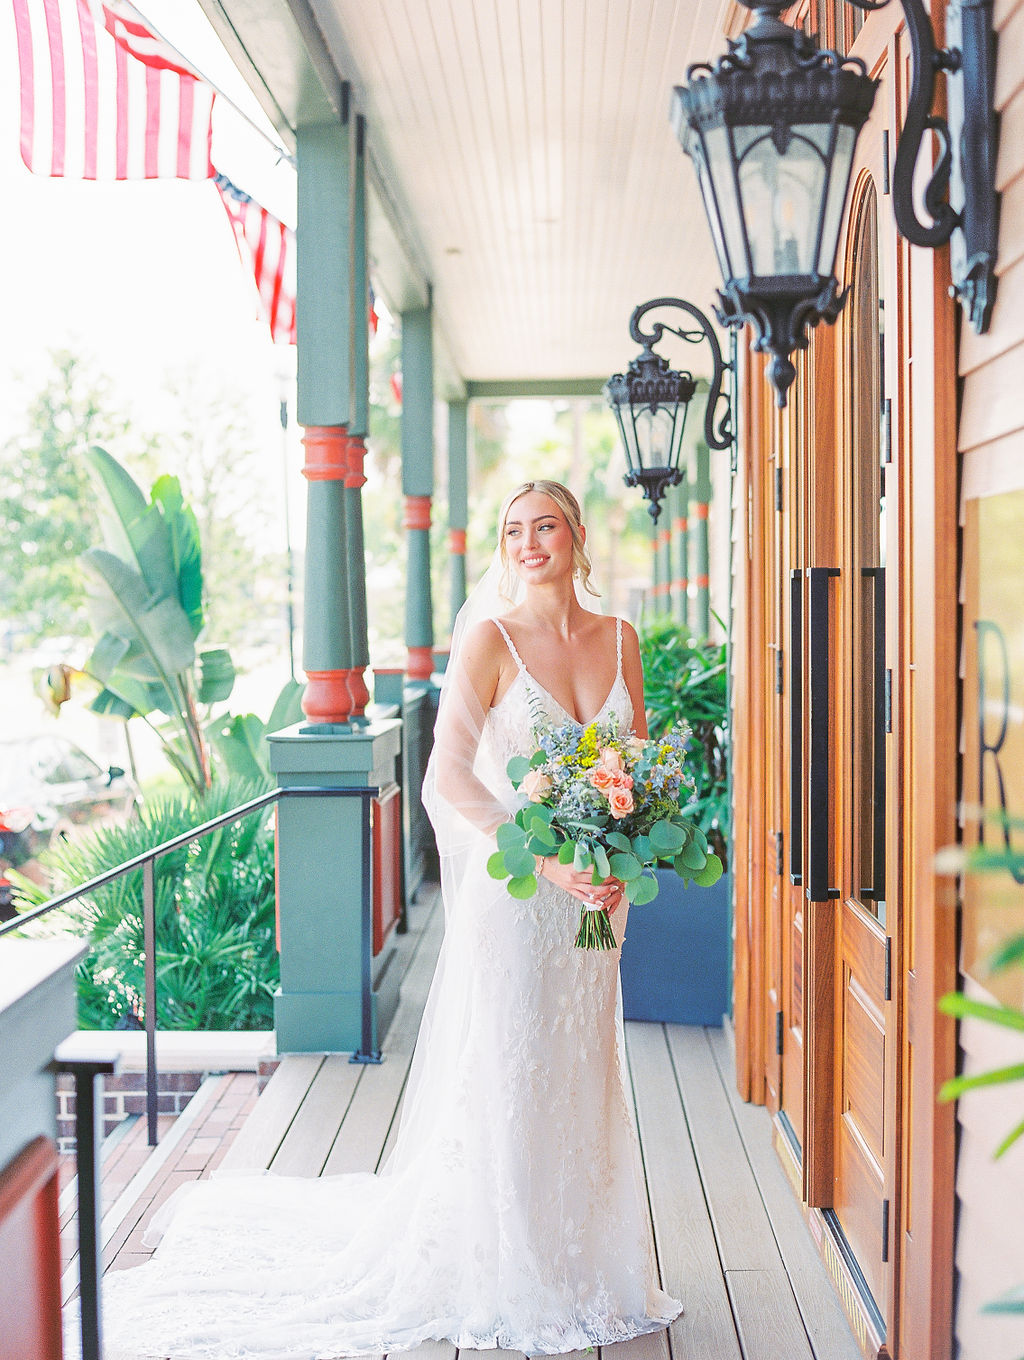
point(86, 1071)
point(147, 861)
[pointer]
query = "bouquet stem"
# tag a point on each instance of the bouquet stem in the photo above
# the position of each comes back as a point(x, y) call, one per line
point(595, 930)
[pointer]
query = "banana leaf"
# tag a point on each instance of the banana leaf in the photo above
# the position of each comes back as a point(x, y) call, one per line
point(123, 605)
point(185, 547)
point(133, 527)
point(216, 677)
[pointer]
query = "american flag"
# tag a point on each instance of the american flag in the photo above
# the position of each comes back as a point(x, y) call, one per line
point(104, 98)
point(267, 247)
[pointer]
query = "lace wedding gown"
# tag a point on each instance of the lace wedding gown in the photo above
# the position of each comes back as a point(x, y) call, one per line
point(512, 1212)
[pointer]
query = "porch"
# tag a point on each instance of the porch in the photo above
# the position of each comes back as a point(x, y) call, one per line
point(731, 1242)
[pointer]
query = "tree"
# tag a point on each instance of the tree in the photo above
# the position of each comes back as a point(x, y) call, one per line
point(47, 508)
point(209, 439)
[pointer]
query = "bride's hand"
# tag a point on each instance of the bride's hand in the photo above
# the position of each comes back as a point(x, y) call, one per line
point(579, 883)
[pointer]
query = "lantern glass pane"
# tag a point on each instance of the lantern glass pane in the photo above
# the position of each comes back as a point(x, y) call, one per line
point(625, 422)
point(782, 197)
point(654, 430)
point(721, 173)
point(695, 149)
point(842, 160)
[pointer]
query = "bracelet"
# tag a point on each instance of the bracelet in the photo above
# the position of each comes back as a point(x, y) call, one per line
point(538, 866)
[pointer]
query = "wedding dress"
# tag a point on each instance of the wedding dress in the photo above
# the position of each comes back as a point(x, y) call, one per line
point(513, 1211)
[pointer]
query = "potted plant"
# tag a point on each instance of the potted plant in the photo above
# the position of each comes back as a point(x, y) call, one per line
point(676, 959)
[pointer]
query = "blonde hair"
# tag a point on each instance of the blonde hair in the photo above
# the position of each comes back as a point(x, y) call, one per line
point(570, 508)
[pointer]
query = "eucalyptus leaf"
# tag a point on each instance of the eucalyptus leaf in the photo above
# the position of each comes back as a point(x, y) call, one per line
point(692, 856)
point(496, 865)
point(582, 858)
point(666, 838)
point(619, 841)
point(517, 769)
point(509, 835)
point(601, 865)
point(544, 838)
point(642, 890)
point(710, 874)
point(567, 852)
point(519, 862)
point(643, 849)
point(626, 867)
point(522, 887)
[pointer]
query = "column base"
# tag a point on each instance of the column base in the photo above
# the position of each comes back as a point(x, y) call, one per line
point(420, 665)
point(327, 698)
point(332, 1022)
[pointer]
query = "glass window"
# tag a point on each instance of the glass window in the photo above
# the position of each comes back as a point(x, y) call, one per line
point(867, 513)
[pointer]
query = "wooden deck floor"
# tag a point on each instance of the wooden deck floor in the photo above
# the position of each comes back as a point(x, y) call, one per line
point(731, 1242)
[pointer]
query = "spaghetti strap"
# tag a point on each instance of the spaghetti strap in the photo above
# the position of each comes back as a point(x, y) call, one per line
point(618, 648)
point(511, 646)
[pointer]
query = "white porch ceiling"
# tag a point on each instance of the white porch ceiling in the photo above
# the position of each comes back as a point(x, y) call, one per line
point(525, 152)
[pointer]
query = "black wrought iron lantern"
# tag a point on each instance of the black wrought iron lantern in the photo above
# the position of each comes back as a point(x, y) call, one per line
point(651, 401)
point(772, 128)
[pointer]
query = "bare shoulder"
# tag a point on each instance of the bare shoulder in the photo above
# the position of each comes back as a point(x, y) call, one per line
point(484, 646)
point(482, 657)
point(629, 633)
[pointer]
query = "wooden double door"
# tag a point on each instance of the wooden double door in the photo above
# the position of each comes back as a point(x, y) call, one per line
point(831, 585)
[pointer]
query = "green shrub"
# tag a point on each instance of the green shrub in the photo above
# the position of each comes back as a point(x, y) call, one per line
point(686, 678)
point(217, 965)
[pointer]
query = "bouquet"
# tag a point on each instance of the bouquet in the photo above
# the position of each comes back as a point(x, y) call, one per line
point(603, 799)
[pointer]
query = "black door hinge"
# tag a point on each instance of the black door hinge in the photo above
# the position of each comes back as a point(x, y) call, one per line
point(779, 670)
point(885, 161)
point(888, 968)
point(885, 1230)
point(887, 701)
point(778, 1033)
point(778, 488)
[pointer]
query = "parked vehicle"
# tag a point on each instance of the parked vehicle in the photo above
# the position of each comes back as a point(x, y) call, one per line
point(48, 787)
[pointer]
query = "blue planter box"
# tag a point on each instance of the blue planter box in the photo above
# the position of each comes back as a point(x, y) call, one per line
point(676, 955)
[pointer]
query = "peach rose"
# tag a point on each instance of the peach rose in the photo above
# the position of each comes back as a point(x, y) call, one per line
point(601, 778)
point(636, 743)
point(536, 786)
point(610, 759)
point(620, 802)
point(622, 780)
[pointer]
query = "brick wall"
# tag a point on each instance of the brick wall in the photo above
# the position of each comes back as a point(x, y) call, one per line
point(124, 1095)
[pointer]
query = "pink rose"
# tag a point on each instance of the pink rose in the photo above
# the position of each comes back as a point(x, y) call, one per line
point(601, 778)
point(611, 759)
point(620, 801)
point(536, 786)
point(622, 780)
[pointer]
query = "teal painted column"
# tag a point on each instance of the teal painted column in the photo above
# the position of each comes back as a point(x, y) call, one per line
point(324, 398)
point(418, 486)
point(702, 503)
point(458, 500)
point(322, 927)
point(680, 596)
point(358, 429)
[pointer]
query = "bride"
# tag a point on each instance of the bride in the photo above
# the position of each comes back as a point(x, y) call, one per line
point(512, 1212)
